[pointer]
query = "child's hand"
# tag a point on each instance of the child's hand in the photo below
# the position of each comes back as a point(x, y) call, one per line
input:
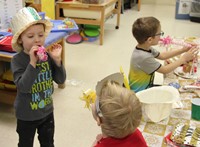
point(42, 53)
point(55, 52)
point(33, 56)
point(190, 55)
point(190, 46)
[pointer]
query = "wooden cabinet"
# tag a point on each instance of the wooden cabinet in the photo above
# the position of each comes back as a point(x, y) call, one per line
point(94, 14)
point(7, 97)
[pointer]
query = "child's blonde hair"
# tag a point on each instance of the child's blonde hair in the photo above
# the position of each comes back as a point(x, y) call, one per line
point(121, 110)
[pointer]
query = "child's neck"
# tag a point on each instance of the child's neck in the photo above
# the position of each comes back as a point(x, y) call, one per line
point(104, 136)
point(26, 52)
point(144, 46)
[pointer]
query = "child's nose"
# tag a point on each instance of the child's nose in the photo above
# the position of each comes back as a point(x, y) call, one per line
point(37, 39)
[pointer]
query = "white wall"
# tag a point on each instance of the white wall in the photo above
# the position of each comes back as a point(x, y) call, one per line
point(165, 2)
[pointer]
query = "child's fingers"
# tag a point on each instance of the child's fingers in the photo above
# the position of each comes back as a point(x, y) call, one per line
point(33, 50)
point(194, 50)
point(56, 46)
point(193, 44)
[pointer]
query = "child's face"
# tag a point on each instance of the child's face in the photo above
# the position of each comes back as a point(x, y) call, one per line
point(33, 36)
point(156, 38)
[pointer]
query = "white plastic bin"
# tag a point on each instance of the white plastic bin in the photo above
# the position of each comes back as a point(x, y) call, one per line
point(157, 102)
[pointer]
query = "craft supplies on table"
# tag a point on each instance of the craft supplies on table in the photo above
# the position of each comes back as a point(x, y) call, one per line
point(64, 25)
point(156, 134)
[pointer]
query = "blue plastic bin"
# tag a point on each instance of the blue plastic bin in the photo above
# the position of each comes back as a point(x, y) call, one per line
point(42, 15)
point(57, 26)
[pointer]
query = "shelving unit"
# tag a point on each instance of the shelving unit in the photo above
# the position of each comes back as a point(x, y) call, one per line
point(93, 14)
point(7, 97)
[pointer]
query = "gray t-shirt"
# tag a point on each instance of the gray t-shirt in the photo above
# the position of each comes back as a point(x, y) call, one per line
point(142, 67)
point(35, 86)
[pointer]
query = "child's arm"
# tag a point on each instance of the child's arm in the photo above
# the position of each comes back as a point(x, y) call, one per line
point(22, 68)
point(33, 57)
point(59, 72)
point(55, 52)
point(188, 56)
point(172, 53)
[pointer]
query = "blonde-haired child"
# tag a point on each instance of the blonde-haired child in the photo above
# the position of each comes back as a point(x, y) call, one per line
point(118, 112)
point(34, 78)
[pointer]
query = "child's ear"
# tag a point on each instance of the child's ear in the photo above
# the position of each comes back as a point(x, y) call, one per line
point(19, 40)
point(98, 119)
point(149, 39)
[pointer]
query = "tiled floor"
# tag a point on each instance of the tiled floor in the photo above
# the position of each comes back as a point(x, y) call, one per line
point(86, 63)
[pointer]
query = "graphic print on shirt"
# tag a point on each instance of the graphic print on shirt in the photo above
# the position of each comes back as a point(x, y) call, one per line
point(42, 88)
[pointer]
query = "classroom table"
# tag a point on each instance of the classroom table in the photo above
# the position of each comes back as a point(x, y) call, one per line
point(154, 133)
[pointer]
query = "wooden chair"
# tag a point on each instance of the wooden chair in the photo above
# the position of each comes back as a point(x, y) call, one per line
point(136, 1)
point(139, 4)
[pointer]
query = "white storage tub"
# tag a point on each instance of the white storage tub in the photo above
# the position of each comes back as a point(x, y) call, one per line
point(88, 14)
point(157, 102)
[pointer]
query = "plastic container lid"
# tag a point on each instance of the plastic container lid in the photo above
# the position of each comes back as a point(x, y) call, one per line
point(74, 39)
point(87, 26)
point(91, 32)
point(89, 39)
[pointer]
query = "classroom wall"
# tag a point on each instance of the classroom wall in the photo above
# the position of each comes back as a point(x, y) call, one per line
point(164, 2)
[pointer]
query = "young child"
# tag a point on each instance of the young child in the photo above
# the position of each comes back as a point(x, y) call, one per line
point(34, 78)
point(143, 65)
point(118, 112)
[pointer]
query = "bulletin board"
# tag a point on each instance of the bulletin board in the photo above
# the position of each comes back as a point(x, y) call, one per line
point(8, 8)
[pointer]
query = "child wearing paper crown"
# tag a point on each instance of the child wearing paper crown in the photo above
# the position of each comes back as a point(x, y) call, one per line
point(143, 64)
point(118, 112)
point(34, 78)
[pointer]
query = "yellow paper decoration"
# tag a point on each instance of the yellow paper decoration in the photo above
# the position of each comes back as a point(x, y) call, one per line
point(126, 83)
point(48, 6)
point(89, 97)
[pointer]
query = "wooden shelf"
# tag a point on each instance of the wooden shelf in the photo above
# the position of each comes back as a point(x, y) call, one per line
point(98, 13)
point(7, 97)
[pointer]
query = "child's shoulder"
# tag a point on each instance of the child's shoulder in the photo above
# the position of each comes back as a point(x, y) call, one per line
point(20, 56)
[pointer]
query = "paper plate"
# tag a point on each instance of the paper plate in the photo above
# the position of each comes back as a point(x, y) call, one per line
point(197, 41)
point(179, 72)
